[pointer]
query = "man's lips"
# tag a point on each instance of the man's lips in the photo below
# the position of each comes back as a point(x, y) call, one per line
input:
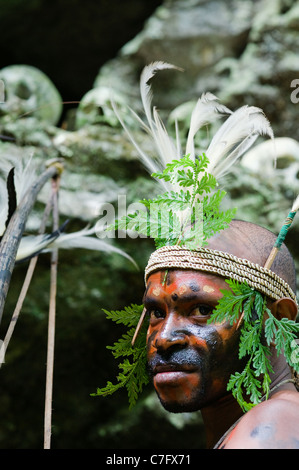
point(172, 374)
point(164, 368)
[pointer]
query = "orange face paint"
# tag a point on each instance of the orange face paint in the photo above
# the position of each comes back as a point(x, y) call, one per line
point(190, 360)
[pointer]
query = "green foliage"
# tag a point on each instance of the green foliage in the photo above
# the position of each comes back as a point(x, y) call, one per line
point(254, 381)
point(188, 216)
point(133, 373)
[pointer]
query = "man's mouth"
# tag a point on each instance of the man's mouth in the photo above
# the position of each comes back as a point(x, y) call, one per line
point(164, 368)
point(171, 373)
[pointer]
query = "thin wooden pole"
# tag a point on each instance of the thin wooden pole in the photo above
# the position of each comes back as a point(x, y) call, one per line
point(51, 326)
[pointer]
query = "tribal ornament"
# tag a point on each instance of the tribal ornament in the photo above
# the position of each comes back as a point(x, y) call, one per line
point(222, 264)
point(188, 180)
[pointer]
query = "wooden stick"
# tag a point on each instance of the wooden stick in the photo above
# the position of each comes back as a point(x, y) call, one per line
point(51, 326)
point(271, 257)
point(281, 236)
point(13, 234)
point(277, 245)
point(26, 284)
point(139, 325)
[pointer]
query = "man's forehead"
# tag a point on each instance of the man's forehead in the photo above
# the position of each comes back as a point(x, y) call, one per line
point(183, 281)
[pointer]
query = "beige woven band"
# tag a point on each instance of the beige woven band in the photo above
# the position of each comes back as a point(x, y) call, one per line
point(222, 264)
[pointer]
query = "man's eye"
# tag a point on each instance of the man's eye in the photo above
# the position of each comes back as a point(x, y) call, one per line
point(155, 313)
point(202, 310)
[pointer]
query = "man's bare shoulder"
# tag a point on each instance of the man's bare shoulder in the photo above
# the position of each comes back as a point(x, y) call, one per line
point(273, 424)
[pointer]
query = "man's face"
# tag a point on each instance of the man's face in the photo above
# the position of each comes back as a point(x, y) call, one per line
point(190, 361)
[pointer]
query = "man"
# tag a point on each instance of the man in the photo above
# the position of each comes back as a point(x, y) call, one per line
point(191, 361)
point(198, 360)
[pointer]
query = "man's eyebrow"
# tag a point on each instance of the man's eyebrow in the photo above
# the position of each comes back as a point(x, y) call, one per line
point(152, 301)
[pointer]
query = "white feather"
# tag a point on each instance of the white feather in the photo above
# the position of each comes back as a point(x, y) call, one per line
point(295, 206)
point(230, 142)
point(206, 111)
point(24, 176)
point(164, 144)
point(33, 244)
point(150, 164)
point(145, 89)
point(30, 245)
point(234, 137)
point(76, 240)
point(25, 172)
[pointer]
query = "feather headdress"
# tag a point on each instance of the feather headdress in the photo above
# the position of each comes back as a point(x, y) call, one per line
point(230, 142)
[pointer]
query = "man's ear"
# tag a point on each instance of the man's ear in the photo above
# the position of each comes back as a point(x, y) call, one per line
point(284, 308)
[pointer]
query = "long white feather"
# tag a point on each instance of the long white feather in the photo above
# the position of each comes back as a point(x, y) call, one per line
point(206, 111)
point(166, 145)
point(77, 240)
point(163, 142)
point(145, 89)
point(150, 164)
point(32, 245)
point(234, 137)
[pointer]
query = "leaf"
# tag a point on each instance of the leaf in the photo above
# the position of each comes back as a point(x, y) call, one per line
point(129, 316)
point(254, 381)
point(230, 306)
point(133, 374)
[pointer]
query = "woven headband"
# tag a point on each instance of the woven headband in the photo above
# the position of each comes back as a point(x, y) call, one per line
point(222, 264)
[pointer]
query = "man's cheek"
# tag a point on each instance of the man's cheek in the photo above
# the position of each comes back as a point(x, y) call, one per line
point(150, 341)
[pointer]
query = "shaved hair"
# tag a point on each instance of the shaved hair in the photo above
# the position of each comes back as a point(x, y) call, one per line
point(253, 242)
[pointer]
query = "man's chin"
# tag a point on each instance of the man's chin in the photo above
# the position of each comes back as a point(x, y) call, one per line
point(179, 407)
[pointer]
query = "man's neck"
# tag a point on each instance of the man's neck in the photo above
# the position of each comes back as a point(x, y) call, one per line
point(282, 371)
point(219, 417)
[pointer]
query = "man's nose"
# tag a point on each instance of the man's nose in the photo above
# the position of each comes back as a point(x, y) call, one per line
point(171, 334)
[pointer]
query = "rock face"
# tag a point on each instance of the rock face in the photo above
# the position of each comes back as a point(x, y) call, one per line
point(249, 58)
point(246, 52)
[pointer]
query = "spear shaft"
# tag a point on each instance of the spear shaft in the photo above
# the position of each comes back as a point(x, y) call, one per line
point(282, 235)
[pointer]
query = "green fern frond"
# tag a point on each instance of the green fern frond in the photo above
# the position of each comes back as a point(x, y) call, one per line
point(133, 375)
point(253, 383)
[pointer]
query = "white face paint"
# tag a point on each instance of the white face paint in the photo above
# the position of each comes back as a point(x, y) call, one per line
point(208, 289)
